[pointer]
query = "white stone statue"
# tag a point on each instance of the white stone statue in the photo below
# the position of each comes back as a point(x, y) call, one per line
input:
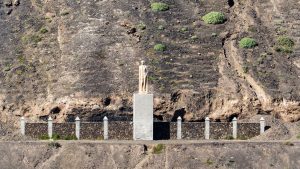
point(143, 78)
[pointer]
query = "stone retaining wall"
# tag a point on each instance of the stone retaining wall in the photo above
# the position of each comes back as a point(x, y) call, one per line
point(36, 130)
point(91, 131)
point(123, 130)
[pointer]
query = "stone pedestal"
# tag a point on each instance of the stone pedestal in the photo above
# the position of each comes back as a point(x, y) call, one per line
point(142, 116)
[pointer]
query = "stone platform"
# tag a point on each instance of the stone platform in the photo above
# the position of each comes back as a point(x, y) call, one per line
point(142, 116)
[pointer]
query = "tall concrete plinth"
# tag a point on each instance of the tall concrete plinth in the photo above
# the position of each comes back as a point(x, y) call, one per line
point(142, 116)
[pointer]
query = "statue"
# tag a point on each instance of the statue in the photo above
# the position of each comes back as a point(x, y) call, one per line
point(143, 78)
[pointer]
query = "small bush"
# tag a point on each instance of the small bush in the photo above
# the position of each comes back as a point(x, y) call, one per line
point(160, 47)
point(209, 162)
point(43, 30)
point(245, 69)
point(194, 37)
point(159, 6)
point(54, 145)
point(64, 13)
point(298, 137)
point(283, 49)
point(21, 59)
point(158, 148)
point(229, 138)
point(55, 136)
point(100, 138)
point(214, 18)
point(161, 27)
point(214, 35)
point(247, 43)
point(31, 39)
point(284, 44)
point(44, 137)
point(289, 143)
point(285, 41)
point(70, 137)
point(141, 26)
point(184, 29)
point(7, 67)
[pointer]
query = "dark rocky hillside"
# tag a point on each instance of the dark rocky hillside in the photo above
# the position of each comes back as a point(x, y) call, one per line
point(69, 58)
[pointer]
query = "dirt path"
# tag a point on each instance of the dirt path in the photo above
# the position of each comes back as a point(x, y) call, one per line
point(181, 154)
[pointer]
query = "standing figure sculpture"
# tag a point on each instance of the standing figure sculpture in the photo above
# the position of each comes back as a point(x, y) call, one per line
point(143, 78)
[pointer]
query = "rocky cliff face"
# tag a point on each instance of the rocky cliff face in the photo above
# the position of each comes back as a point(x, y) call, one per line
point(69, 58)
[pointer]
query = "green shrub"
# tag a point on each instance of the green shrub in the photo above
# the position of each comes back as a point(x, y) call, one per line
point(158, 148)
point(21, 59)
point(214, 18)
point(100, 138)
point(31, 39)
point(7, 67)
point(63, 13)
point(214, 34)
point(55, 136)
point(243, 137)
point(289, 143)
point(247, 43)
point(159, 6)
point(161, 27)
point(209, 162)
point(43, 30)
point(141, 26)
point(184, 29)
point(229, 138)
point(285, 41)
point(194, 37)
point(160, 47)
point(245, 69)
point(284, 44)
point(44, 137)
point(70, 137)
point(54, 145)
point(298, 137)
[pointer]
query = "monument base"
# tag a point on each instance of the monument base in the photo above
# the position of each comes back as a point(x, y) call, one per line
point(142, 116)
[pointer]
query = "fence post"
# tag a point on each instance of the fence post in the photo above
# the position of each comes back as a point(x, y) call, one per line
point(262, 125)
point(105, 127)
point(22, 127)
point(206, 130)
point(50, 126)
point(179, 120)
point(77, 128)
point(234, 128)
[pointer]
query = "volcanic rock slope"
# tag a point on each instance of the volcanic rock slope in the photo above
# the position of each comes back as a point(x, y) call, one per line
point(68, 58)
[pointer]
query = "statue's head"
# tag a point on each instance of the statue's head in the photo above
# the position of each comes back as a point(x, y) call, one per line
point(142, 62)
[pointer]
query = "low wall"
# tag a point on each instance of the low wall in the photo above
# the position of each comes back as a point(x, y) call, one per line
point(123, 130)
point(36, 130)
point(91, 131)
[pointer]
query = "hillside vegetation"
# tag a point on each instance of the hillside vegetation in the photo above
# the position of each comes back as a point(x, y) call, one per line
point(66, 58)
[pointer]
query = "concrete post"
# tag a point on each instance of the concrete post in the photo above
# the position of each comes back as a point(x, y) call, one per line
point(105, 127)
point(234, 128)
point(179, 120)
point(22, 126)
point(77, 128)
point(50, 126)
point(262, 125)
point(206, 131)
